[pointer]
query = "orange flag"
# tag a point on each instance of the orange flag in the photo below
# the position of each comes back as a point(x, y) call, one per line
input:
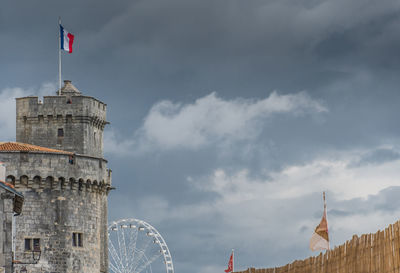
point(320, 238)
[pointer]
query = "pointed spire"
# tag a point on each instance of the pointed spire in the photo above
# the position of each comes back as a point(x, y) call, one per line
point(69, 89)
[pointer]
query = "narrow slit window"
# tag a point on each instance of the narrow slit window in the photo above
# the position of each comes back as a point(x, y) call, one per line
point(80, 241)
point(28, 243)
point(77, 239)
point(36, 244)
point(60, 132)
point(74, 241)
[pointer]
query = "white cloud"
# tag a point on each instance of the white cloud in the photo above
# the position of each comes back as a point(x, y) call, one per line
point(211, 119)
point(7, 112)
point(274, 209)
point(333, 175)
point(7, 107)
point(114, 145)
point(266, 216)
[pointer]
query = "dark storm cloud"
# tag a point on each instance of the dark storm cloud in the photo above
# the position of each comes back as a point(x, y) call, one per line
point(385, 201)
point(378, 156)
point(134, 54)
point(199, 46)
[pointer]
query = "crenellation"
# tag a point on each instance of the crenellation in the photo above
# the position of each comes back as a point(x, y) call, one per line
point(82, 119)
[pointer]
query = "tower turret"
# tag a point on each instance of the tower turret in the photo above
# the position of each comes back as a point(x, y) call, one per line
point(68, 121)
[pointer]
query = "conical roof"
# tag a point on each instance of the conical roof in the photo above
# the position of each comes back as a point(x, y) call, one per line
point(69, 89)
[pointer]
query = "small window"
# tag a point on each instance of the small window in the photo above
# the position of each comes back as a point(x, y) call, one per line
point(28, 244)
point(71, 160)
point(77, 239)
point(100, 164)
point(41, 118)
point(80, 243)
point(36, 244)
point(32, 244)
point(60, 132)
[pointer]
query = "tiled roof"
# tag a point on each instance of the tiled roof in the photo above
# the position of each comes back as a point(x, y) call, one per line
point(24, 147)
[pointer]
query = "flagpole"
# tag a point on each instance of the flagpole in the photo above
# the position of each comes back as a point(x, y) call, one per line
point(233, 260)
point(326, 215)
point(59, 56)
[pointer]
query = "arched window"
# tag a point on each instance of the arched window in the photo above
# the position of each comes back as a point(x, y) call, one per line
point(50, 182)
point(11, 180)
point(36, 182)
point(88, 184)
point(95, 185)
point(24, 181)
point(61, 181)
point(80, 187)
point(71, 183)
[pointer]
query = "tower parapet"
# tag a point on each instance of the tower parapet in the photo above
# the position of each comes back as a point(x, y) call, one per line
point(69, 121)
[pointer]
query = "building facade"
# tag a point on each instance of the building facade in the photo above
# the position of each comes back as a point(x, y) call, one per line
point(11, 203)
point(57, 164)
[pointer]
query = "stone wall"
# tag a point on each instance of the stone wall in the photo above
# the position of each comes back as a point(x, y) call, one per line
point(6, 216)
point(61, 199)
point(82, 120)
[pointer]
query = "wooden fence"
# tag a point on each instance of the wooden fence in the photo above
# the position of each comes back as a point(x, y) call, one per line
point(370, 253)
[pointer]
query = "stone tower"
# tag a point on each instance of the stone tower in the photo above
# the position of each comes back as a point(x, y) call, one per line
point(57, 164)
point(70, 122)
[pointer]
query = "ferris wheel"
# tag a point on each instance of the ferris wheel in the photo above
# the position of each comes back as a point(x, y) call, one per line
point(135, 246)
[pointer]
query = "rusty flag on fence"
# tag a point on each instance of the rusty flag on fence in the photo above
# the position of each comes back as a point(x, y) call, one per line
point(320, 238)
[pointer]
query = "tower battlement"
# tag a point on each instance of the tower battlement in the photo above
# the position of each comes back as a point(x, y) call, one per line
point(69, 121)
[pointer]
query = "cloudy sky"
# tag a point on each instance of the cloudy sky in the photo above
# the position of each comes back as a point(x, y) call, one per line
point(228, 117)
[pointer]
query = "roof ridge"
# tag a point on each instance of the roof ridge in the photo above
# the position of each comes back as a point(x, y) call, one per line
point(20, 146)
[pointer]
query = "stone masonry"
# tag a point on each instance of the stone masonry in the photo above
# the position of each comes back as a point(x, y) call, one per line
point(70, 122)
point(6, 215)
point(11, 203)
point(64, 220)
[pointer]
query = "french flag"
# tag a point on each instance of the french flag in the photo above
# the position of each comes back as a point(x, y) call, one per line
point(67, 39)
